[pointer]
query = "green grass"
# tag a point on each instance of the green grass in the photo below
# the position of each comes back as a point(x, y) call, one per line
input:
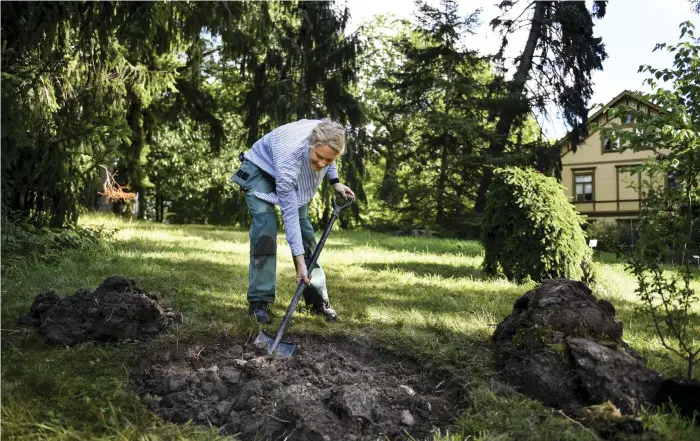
point(419, 297)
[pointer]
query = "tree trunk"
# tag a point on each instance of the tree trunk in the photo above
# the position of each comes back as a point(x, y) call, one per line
point(442, 181)
point(27, 204)
point(508, 115)
point(387, 191)
point(58, 211)
point(159, 217)
point(132, 175)
point(17, 200)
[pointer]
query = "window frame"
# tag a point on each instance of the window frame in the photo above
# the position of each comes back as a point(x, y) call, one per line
point(603, 137)
point(583, 172)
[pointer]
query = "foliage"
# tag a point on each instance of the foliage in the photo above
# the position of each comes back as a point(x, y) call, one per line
point(669, 301)
point(28, 244)
point(97, 83)
point(668, 222)
point(79, 80)
point(166, 94)
point(190, 183)
point(553, 70)
point(530, 229)
point(424, 92)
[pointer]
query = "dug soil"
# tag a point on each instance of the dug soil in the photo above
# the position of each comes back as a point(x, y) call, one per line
point(563, 346)
point(328, 390)
point(116, 310)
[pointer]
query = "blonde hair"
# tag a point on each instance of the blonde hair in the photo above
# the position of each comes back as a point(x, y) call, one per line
point(330, 133)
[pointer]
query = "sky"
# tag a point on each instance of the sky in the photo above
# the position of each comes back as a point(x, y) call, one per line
point(630, 30)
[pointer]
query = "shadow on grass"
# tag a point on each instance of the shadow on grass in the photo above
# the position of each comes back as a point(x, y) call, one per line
point(434, 303)
point(429, 245)
point(199, 288)
point(429, 269)
point(379, 290)
point(149, 225)
point(338, 239)
point(215, 234)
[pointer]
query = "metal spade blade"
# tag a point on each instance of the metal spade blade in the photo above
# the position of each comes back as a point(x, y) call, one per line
point(284, 349)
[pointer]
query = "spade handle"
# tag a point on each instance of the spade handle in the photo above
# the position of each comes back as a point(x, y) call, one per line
point(300, 288)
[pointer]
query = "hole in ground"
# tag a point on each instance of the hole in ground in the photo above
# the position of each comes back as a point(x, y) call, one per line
point(330, 389)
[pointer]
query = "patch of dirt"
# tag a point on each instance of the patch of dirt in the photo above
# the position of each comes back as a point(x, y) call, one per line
point(327, 390)
point(115, 310)
point(564, 347)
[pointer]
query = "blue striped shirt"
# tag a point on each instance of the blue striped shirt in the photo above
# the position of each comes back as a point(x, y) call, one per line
point(284, 155)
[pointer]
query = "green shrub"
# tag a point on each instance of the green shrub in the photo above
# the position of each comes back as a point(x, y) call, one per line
point(530, 230)
point(20, 240)
point(612, 237)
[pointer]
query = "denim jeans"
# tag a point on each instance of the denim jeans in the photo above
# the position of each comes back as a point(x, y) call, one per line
point(263, 240)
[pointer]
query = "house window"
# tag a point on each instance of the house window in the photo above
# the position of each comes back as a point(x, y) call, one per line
point(610, 145)
point(629, 119)
point(583, 187)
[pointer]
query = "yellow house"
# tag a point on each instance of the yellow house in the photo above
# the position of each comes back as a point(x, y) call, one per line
point(597, 177)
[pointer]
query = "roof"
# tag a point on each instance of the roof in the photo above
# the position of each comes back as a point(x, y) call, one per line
point(612, 103)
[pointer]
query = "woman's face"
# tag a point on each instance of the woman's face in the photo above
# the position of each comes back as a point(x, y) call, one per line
point(322, 156)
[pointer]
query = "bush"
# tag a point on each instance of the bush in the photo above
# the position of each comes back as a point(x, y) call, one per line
point(614, 238)
point(530, 230)
point(20, 240)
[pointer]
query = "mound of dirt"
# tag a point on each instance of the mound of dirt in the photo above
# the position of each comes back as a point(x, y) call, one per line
point(115, 310)
point(564, 347)
point(328, 390)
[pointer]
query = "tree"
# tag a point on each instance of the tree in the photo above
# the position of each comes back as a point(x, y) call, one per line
point(428, 116)
point(60, 107)
point(559, 56)
point(80, 80)
point(191, 185)
point(98, 83)
point(302, 66)
point(669, 219)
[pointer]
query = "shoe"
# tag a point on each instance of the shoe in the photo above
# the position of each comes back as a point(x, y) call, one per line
point(260, 310)
point(325, 308)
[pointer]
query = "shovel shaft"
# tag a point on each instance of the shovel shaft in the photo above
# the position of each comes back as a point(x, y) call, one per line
point(300, 288)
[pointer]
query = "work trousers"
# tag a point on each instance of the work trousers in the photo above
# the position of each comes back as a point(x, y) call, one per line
point(262, 276)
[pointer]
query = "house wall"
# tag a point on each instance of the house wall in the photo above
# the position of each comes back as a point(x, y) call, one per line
point(615, 190)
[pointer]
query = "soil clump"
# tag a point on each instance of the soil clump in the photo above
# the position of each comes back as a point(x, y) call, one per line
point(115, 310)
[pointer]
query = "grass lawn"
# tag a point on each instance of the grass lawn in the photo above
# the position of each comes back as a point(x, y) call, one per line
point(419, 297)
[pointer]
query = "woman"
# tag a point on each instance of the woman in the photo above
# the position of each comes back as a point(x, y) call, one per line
point(285, 167)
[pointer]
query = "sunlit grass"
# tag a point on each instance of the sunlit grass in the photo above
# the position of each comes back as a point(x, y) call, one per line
point(426, 298)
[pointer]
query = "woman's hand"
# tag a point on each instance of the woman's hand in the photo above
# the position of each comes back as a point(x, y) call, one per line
point(343, 190)
point(302, 272)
